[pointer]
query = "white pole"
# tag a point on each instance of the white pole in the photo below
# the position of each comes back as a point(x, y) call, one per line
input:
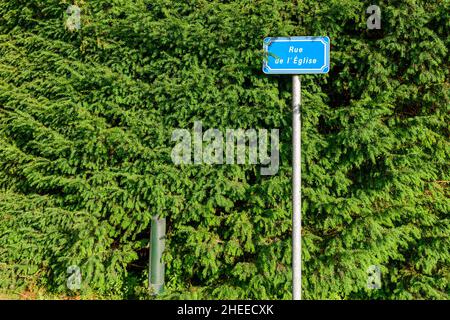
point(296, 190)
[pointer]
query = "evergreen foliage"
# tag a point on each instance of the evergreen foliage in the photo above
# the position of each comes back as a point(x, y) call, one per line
point(85, 124)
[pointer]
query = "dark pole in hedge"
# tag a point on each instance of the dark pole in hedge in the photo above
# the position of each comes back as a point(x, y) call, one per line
point(157, 243)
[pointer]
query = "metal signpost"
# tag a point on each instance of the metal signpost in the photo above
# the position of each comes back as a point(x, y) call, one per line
point(296, 55)
point(157, 243)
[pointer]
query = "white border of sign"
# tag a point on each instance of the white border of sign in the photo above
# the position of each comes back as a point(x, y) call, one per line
point(326, 51)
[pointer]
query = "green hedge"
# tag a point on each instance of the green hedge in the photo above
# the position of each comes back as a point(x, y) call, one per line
point(85, 139)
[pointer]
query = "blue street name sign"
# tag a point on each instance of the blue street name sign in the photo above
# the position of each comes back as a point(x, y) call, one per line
point(296, 55)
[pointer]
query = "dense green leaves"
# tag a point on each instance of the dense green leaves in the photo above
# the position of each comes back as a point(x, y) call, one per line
point(86, 118)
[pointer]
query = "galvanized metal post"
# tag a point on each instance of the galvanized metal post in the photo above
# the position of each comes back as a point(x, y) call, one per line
point(157, 243)
point(296, 190)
